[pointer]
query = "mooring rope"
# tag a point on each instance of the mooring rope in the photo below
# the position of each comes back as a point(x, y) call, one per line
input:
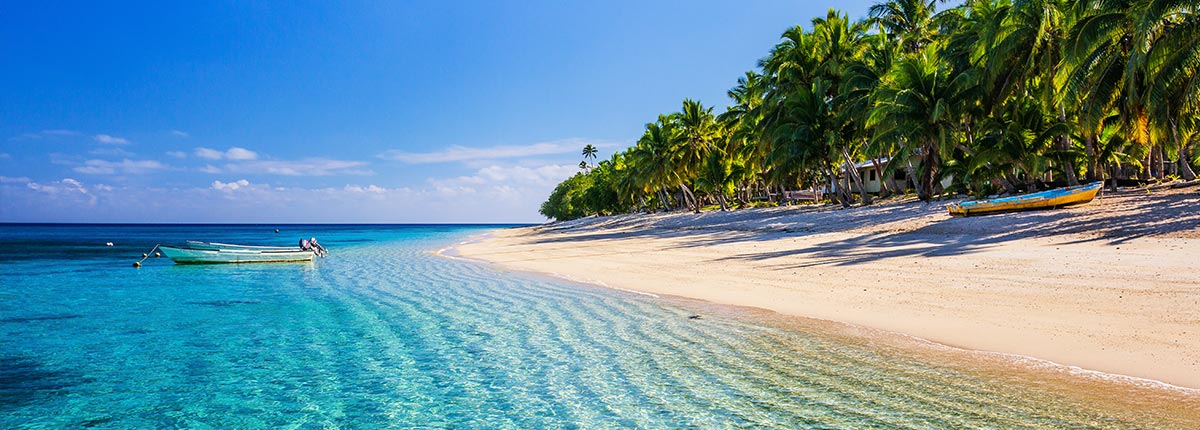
point(146, 255)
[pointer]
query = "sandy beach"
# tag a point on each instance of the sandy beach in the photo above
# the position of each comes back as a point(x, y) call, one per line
point(1111, 286)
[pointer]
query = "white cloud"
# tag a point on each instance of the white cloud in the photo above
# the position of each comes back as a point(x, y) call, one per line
point(462, 153)
point(4, 155)
point(104, 138)
point(59, 132)
point(180, 133)
point(104, 167)
point(209, 168)
point(209, 154)
point(111, 151)
point(47, 134)
point(304, 167)
point(244, 201)
point(372, 189)
point(11, 180)
point(515, 176)
point(66, 187)
point(177, 154)
point(233, 153)
point(230, 186)
point(236, 153)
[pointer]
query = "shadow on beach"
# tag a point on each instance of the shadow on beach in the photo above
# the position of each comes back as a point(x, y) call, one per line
point(897, 228)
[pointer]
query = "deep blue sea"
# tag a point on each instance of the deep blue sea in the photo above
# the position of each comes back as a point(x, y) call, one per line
point(384, 333)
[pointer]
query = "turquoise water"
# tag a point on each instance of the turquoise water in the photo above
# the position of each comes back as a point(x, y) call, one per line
point(385, 334)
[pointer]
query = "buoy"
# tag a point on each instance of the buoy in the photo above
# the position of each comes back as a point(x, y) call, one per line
point(277, 230)
point(146, 255)
point(108, 244)
point(157, 254)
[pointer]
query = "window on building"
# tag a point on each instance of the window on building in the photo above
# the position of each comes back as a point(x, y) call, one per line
point(872, 174)
point(899, 175)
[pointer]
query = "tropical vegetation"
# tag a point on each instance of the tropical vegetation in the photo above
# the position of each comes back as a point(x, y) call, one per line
point(990, 96)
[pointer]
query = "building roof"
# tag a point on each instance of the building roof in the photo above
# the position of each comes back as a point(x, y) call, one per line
point(870, 163)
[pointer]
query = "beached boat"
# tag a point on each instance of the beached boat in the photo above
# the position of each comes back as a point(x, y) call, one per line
point(217, 256)
point(1050, 199)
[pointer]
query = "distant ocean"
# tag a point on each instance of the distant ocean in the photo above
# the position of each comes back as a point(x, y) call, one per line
point(384, 333)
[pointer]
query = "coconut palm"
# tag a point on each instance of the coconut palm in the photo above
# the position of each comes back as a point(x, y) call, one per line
point(909, 22)
point(916, 104)
point(994, 93)
point(589, 152)
point(698, 135)
point(739, 123)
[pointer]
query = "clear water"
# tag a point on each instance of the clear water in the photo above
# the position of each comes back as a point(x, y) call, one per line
point(385, 334)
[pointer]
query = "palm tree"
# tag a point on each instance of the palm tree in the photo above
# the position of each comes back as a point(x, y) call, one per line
point(655, 159)
point(739, 123)
point(840, 46)
point(916, 104)
point(1131, 56)
point(792, 130)
point(991, 92)
point(589, 152)
point(856, 99)
point(1173, 74)
point(717, 177)
point(698, 133)
point(909, 22)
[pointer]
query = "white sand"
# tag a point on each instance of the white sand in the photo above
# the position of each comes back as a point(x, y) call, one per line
point(1112, 286)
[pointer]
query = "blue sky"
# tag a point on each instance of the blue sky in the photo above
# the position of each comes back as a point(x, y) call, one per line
point(387, 112)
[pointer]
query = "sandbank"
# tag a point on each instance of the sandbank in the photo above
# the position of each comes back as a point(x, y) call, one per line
point(1111, 286)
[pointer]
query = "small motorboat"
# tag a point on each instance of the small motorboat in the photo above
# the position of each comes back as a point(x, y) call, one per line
point(198, 252)
point(215, 246)
point(218, 256)
point(1050, 199)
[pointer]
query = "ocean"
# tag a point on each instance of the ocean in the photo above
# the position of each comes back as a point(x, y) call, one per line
point(387, 333)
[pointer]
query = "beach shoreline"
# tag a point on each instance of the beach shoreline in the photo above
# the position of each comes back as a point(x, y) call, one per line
point(1034, 285)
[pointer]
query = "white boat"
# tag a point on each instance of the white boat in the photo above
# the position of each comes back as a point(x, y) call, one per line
point(214, 246)
point(217, 256)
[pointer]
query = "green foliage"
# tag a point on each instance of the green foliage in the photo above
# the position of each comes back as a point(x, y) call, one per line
point(997, 95)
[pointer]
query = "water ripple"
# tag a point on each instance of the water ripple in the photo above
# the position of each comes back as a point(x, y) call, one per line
point(387, 334)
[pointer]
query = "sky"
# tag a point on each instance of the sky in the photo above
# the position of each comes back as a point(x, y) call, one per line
point(346, 112)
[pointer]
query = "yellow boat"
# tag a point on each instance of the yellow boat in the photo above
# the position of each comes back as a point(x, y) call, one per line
point(1050, 199)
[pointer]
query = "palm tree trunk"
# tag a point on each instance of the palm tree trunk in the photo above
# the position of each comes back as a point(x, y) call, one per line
point(721, 201)
point(687, 194)
point(1089, 146)
point(912, 176)
point(1159, 162)
point(862, 188)
point(928, 173)
point(1185, 169)
point(885, 185)
point(1064, 145)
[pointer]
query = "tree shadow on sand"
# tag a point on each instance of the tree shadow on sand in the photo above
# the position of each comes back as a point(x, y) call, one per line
point(1126, 217)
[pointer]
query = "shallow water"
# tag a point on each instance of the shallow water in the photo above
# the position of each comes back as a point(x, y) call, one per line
point(386, 334)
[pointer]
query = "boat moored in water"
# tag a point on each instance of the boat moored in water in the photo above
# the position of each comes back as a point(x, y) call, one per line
point(199, 252)
point(218, 256)
point(1050, 199)
point(215, 246)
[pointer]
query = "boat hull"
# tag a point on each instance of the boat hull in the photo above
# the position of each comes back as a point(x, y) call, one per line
point(214, 246)
point(1050, 199)
point(209, 256)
